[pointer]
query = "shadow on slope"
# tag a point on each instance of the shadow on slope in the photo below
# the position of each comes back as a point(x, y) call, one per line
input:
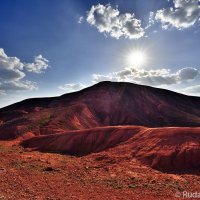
point(165, 149)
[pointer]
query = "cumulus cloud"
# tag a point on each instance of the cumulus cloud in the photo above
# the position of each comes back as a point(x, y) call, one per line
point(18, 85)
point(12, 72)
point(154, 77)
point(72, 87)
point(40, 64)
point(10, 67)
point(110, 21)
point(184, 14)
point(149, 77)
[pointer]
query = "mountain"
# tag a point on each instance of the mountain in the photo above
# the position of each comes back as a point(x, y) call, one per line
point(104, 104)
point(157, 127)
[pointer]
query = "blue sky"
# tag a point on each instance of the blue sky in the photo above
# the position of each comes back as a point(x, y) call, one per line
point(53, 47)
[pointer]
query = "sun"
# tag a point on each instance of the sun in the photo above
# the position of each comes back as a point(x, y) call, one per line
point(136, 58)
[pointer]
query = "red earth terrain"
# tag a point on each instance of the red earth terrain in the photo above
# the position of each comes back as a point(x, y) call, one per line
point(165, 149)
point(109, 141)
point(104, 104)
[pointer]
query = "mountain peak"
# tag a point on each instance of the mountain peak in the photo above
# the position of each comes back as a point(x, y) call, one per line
point(104, 104)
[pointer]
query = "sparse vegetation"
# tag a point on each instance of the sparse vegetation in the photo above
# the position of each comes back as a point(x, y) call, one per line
point(115, 183)
point(132, 186)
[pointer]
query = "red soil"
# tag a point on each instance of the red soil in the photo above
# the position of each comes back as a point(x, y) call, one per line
point(104, 175)
point(82, 142)
point(109, 151)
point(168, 149)
point(111, 174)
point(165, 149)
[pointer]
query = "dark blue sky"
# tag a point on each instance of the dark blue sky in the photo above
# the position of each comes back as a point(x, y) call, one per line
point(76, 51)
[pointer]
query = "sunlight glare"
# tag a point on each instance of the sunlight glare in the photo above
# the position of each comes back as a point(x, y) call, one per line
point(136, 59)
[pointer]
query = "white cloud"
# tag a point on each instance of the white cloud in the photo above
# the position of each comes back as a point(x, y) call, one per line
point(184, 14)
point(149, 77)
point(187, 73)
point(12, 72)
point(191, 90)
point(2, 92)
point(80, 20)
point(40, 64)
point(151, 20)
point(72, 87)
point(18, 85)
point(10, 67)
point(110, 21)
point(156, 77)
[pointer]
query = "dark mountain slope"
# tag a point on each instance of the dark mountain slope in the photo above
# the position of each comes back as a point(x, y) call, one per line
point(104, 104)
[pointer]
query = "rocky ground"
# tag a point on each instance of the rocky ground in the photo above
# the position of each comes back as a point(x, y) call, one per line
point(33, 175)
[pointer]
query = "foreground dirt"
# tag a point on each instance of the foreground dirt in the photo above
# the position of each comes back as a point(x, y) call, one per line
point(35, 176)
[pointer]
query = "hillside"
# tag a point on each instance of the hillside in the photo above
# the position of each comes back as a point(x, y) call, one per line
point(108, 141)
point(104, 104)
